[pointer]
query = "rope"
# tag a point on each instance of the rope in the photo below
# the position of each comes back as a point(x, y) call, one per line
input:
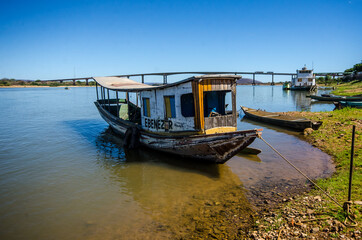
point(259, 136)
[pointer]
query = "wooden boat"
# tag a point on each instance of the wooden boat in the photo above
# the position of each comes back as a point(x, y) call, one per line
point(342, 104)
point(335, 98)
point(193, 118)
point(281, 120)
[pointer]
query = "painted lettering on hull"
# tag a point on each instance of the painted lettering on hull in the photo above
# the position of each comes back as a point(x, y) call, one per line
point(158, 123)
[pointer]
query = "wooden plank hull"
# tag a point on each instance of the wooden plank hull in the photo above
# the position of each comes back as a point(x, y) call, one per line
point(215, 148)
point(280, 120)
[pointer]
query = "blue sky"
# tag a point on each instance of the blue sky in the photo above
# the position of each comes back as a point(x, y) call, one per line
point(61, 39)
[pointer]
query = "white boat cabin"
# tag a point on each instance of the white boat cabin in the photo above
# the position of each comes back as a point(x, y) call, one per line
point(304, 78)
point(205, 104)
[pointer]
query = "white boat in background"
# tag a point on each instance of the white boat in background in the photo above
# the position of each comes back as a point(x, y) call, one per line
point(304, 80)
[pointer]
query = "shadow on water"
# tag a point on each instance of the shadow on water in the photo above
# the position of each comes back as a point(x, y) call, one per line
point(110, 150)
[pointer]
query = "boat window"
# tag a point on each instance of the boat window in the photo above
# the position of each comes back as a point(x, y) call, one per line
point(170, 106)
point(146, 107)
point(215, 104)
point(310, 79)
point(299, 79)
point(187, 105)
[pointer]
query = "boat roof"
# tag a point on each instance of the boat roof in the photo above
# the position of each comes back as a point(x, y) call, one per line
point(121, 83)
point(127, 85)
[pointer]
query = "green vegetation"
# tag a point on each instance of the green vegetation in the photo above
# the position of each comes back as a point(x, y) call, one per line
point(350, 74)
point(334, 137)
point(6, 82)
point(349, 89)
point(328, 80)
point(356, 68)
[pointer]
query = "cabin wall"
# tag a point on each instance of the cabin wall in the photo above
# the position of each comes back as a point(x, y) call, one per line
point(157, 122)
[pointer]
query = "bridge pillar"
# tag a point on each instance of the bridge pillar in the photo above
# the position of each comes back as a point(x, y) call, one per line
point(253, 79)
point(86, 81)
point(272, 83)
point(74, 82)
point(143, 78)
point(61, 81)
point(164, 79)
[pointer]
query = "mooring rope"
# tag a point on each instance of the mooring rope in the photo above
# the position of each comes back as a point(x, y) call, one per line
point(315, 184)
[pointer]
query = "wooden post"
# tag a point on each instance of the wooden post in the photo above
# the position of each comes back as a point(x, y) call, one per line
point(97, 91)
point(109, 105)
point(117, 103)
point(351, 164)
point(104, 97)
point(127, 99)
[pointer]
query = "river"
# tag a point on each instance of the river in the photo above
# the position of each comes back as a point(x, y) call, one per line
point(63, 174)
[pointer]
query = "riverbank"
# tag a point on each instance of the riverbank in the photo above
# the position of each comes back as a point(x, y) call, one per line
point(313, 214)
point(353, 88)
point(299, 212)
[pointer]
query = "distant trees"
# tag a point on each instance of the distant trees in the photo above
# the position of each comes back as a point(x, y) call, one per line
point(328, 80)
point(352, 73)
point(356, 68)
point(14, 82)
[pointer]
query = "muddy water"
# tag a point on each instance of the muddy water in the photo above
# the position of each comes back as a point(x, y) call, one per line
point(64, 176)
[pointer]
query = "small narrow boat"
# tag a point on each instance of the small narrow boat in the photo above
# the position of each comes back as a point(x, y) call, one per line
point(281, 120)
point(193, 118)
point(335, 98)
point(342, 104)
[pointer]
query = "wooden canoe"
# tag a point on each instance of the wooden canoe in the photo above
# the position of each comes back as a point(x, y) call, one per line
point(335, 98)
point(281, 120)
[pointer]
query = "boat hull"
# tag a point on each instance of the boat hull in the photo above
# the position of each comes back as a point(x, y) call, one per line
point(336, 99)
point(279, 120)
point(215, 148)
point(353, 104)
point(297, 88)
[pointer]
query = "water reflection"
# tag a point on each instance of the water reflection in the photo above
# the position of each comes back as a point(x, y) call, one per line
point(168, 188)
point(110, 148)
point(275, 99)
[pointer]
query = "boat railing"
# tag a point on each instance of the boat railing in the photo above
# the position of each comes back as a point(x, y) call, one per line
point(219, 121)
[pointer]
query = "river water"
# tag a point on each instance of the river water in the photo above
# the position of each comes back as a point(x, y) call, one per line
point(63, 174)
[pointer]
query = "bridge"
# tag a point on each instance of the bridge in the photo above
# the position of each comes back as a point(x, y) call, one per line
point(165, 75)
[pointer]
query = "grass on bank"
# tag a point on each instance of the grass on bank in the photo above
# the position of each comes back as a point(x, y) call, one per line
point(349, 89)
point(335, 137)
